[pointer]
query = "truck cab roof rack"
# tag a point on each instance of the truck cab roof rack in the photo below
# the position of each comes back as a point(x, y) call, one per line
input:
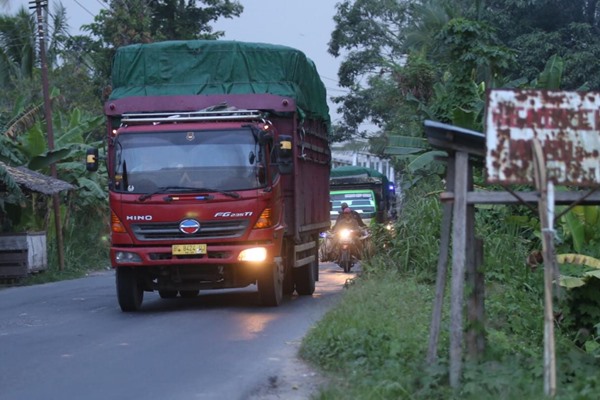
point(191, 116)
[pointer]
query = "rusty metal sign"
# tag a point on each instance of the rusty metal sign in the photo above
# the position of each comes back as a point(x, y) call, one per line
point(566, 123)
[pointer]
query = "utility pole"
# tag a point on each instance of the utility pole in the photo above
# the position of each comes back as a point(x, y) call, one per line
point(39, 4)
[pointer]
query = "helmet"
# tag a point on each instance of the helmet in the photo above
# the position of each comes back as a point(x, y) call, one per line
point(347, 210)
point(344, 206)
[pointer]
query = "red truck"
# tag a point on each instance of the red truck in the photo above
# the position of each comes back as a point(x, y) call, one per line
point(218, 163)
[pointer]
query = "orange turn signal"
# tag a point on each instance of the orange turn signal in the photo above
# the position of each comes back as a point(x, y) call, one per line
point(264, 221)
point(115, 223)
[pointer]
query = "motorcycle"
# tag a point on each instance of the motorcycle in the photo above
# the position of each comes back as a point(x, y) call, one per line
point(347, 243)
point(343, 246)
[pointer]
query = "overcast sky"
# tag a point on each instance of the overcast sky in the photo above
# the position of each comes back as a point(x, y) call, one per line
point(305, 25)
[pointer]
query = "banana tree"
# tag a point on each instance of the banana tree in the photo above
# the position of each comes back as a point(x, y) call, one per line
point(29, 147)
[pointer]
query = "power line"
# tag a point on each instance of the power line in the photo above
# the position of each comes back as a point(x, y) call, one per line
point(329, 79)
point(337, 89)
point(81, 5)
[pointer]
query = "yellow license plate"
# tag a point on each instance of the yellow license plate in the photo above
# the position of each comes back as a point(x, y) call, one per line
point(187, 249)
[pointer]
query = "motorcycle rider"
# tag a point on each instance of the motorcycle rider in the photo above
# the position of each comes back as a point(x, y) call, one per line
point(346, 220)
point(354, 214)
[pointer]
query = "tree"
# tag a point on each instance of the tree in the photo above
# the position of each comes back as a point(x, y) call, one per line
point(17, 48)
point(367, 33)
point(538, 29)
point(19, 62)
point(437, 65)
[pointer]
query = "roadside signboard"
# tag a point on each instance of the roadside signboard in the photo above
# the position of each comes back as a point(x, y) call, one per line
point(567, 124)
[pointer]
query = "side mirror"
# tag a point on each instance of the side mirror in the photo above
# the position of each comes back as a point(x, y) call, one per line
point(285, 156)
point(91, 160)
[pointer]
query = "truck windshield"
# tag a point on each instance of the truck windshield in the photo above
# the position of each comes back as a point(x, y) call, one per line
point(361, 201)
point(226, 160)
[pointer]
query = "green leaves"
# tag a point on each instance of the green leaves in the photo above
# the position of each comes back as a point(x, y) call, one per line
point(550, 77)
point(571, 282)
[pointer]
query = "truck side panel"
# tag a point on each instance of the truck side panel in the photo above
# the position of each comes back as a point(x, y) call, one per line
point(306, 191)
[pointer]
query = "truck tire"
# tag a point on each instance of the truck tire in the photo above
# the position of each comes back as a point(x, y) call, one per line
point(304, 278)
point(288, 274)
point(270, 285)
point(129, 291)
point(288, 281)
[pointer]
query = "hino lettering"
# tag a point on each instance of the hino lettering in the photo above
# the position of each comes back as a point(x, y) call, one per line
point(233, 214)
point(139, 218)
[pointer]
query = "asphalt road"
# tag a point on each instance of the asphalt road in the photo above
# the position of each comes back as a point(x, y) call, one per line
point(70, 340)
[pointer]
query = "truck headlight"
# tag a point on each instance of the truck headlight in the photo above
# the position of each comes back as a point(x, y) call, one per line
point(255, 254)
point(123, 257)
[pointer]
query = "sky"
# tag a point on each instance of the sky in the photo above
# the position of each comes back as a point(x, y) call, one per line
point(305, 25)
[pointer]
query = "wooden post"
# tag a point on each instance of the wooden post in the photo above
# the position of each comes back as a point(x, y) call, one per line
point(476, 299)
point(546, 210)
point(459, 250)
point(442, 268)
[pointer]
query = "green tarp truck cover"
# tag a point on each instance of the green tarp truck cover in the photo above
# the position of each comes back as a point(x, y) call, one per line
point(205, 67)
point(356, 174)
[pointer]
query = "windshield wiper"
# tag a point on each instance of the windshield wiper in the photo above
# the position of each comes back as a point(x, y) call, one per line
point(167, 189)
point(185, 189)
point(235, 195)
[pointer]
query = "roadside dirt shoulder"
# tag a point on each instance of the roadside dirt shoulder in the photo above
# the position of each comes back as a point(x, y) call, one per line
point(295, 380)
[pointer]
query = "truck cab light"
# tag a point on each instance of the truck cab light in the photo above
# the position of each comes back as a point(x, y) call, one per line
point(256, 254)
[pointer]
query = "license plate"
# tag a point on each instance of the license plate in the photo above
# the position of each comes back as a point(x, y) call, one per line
point(187, 249)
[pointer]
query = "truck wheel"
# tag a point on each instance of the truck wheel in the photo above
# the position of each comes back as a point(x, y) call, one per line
point(189, 294)
point(304, 277)
point(270, 285)
point(129, 291)
point(167, 294)
point(288, 281)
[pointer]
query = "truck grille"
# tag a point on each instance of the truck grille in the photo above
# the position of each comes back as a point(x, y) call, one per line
point(208, 230)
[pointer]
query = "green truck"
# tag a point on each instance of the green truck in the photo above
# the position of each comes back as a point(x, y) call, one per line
point(365, 190)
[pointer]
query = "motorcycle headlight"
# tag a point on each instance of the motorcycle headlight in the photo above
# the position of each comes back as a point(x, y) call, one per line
point(345, 234)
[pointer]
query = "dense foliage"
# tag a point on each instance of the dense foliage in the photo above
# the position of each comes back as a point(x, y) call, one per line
point(374, 344)
point(406, 61)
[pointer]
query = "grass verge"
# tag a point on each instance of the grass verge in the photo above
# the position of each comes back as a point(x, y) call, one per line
point(373, 345)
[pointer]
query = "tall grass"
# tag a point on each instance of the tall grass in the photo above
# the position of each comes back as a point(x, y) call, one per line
point(413, 246)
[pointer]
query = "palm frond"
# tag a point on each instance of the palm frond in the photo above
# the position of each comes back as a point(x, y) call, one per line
point(408, 141)
point(23, 121)
point(7, 180)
